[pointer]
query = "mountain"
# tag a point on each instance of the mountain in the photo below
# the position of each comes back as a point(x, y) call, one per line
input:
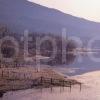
point(22, 14)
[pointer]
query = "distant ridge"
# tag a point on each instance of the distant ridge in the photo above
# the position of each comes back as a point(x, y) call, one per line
point(22, 14)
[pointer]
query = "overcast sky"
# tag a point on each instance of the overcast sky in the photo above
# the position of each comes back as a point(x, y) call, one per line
point(89, 9)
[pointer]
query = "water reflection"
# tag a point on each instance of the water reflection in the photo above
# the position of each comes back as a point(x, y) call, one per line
point(83, 63)
point(56, 93)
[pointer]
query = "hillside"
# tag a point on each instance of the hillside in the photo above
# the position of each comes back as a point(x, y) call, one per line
point(22, 14)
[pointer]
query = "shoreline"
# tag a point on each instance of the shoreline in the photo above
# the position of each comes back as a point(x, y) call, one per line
point(90, 90)
point(26, 78)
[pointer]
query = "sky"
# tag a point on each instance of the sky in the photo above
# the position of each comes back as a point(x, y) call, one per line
point(88, 9)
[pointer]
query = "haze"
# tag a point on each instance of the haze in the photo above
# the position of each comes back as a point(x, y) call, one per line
point(88, 9)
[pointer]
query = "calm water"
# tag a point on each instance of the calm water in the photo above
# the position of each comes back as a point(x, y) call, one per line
point(87, 93)
point(80, 66)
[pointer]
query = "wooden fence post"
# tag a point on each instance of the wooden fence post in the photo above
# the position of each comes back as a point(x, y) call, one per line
point(63, 83)
point(51, 81)
point(41, 80)
point(80, 86)
point(2, 73)
point(70, 86)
